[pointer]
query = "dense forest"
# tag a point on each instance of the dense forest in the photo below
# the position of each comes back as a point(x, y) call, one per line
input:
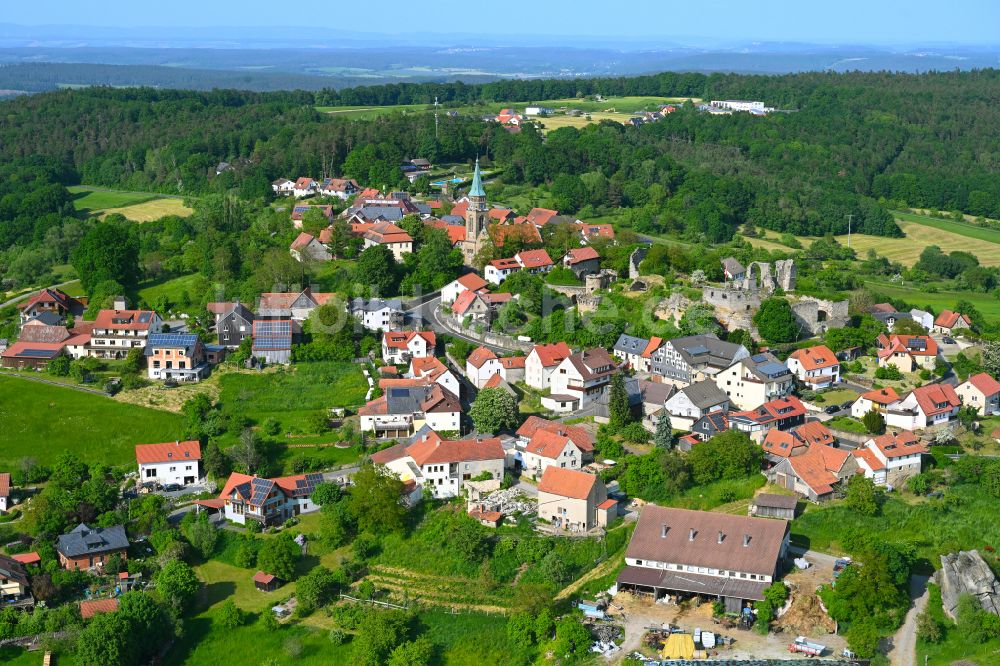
point(847, 144)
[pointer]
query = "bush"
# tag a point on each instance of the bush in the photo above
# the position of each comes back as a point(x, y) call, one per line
point(635, 433)
point(230, 616)
point(888, 372)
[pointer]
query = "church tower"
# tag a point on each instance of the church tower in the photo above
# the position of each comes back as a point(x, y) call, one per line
point(477, 217)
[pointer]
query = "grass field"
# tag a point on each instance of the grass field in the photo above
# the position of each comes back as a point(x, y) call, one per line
point(920, 231)
point(12, 656)
point(292, 395)
point(920, 297)
point(194, 285)
point(955, 646)
point(87, 200)
point(152, 210)
point(42, 421)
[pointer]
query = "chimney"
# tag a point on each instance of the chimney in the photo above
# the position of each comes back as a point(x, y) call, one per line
point(746, 540)
point(691, 534)
point(721, 536)
point(663, 531)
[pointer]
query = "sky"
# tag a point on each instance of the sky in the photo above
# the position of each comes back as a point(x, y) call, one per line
point(689, 22)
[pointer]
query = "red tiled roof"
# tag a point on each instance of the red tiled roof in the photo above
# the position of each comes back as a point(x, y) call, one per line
point(456, 232)
point(501, 214)
point(480, 356)
point(302, 240)
point(27, 558)
point(65, 301)
point(235, 479)
point(552, 354)
point(24, 349)
point(489, 516)
point(303, 182)
point(533, 258)
point(818, 467)
point(985, 383)
point(105, 320)
point(870, 459)
point(433, 450)
point(782, 444)
point(540, 216)
point(4, 484)
point(597, 230)
point(167, 452)
point(654, 344)
point(607, 504)
point(505, 264)
point(576, 433)
point(400, 340)
point(387, 232)
point(547, 443)
point(495, 299)
point(460, 208)
point(948, 319)
point(816, 357)
point(464, 302)
point(904, 343)
point(472, 281)
point(886, 308)
point(566, 482)
point(427, 365)
point(512, 362)
point(897, 445)
point(89, 609)
point(928, 397)
point(493, 381)
point(883, 396)
point(814, 432)
point(263, 578)
point(578, 254)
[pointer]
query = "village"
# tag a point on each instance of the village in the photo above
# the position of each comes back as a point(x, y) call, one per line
point(446, 364)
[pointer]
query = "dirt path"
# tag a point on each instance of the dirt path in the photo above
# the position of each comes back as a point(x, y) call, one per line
point(904, 643)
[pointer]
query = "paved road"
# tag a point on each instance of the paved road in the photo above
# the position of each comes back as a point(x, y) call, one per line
point(426, 314)
point(33, 291)
point(904, 643)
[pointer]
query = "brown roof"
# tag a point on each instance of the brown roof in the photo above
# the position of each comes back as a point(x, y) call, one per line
point(533, 258)
point(818, 467)
point(540, 216)
point(4, 484)
point(394, 452)
point(43, 333)
point(167, 452)
point(480, 356)
point(302, 240)
point(472, 281)
point(883, 396)
point(760, 555)
point(89, 609)
point(776, 501)
point(133, 321)
point(897, 445)
point(566, 482)
point(588, 361)
point(386, 232)
point(263, 578)
point(552, 354)
point(948, 319)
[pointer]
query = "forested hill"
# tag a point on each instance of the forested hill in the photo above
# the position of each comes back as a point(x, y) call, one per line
point(848, 140)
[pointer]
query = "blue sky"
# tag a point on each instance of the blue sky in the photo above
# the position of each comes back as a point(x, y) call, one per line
point(689, 21)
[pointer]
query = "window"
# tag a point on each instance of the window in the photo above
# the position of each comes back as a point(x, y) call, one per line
point(150, 473)
point(173, 469)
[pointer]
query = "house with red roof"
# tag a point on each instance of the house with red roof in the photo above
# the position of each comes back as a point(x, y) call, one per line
point(115, 332)
point(307, 247)
point(925, 406)
point(892, 458)
point(443, 466)
point(171, 462)
point(951, 323)
point(53, 301)
point(782, 413)
point(305, 187)
point(498, 269)
point(342, 188)
point(509, 117)
point(542, 361)
point(569, 499)
point(456, 232)
point(467, 282)
point(291, 305)
point(534, 261)
point(815, 473)
point(30, 355)
point(388, 234)
point(583, 261)
point(580, 379)
point(591, 232)
point(981, 392)
point(481, 365)
point(425, 371)
point(878, 399)
point(780, 444)
point(580, 436)
point(541, 216)
point(5, 503)
point(907, 353)
point(268, 501)
point(816, 367)
point(398, 347)
point(547, 448)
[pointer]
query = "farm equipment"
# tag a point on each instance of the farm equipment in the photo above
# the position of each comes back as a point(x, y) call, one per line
point(804, 646)
point(839, 565)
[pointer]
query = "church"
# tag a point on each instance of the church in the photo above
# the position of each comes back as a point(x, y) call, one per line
point(477, 218)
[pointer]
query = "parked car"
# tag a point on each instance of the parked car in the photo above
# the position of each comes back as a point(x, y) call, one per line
point(948, 340)
point(847, 405)
point(832, 409)
point(172, 487)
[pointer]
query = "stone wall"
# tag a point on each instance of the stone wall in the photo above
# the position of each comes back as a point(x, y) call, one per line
point(816, 315)
point(966, 572)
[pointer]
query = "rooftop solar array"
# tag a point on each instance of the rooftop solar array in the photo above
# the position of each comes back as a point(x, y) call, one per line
point(773, 369)
point(759, 358)
point(38, 353)
point(261, 488)
point(172, 339)
point(272, 334)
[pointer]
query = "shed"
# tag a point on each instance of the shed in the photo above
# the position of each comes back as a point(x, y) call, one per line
point(607, 512)
point(769, 505)
point(265, 582)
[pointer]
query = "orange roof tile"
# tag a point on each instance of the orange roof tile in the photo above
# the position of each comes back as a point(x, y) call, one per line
point(566, 482)
point(930, 396)
point(479, 356)
point(552, 354)
point(985, 383)
point(533, 258)
point(472, 281)
point(816, 357)
point(89, 609)
point(883, 396)
point(898, 445)
point(166, 452)
point(576, 433)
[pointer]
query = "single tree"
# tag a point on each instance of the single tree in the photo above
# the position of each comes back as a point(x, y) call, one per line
point(376, 500)
point(776, 321)
point(278, 556)
point(177, 584)
point(664, 436)
point(494, 410)
point(874, 422)
point(863, 496)
point(229, 615)
point(619, 412)
point(246, 453)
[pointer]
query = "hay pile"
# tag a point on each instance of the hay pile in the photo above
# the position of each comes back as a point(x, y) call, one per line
point(805, 616)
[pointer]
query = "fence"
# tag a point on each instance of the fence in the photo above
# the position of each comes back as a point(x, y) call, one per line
point(374, 602)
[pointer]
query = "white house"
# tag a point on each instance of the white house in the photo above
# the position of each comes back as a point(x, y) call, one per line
point(925, 406)
point(637, 352)
point(443, 466)
point(283, 186)
point(305, 187)
point(816, 367)
point(399, 347)
point(922, 317)
point(579, 380)
point(377, 314)
point(753, 381)
point(481, 365)
point(981, 392)
point(497, 270)
point(404, 410)
point(693, 401)
point(891, 458)
point(542, 362)
point(5, 502)
point(951, 323)
point(172, 462)
point(546, 448)
point(268, 501)
point(534, 261)
point(451, 291)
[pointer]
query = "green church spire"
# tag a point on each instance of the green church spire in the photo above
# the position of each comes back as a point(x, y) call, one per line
point(477, 183)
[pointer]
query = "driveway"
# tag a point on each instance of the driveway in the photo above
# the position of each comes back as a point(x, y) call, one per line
point(904, 643)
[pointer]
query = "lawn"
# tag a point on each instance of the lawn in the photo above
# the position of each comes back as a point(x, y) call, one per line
point(951, 226)
point(42, 421)
point(838, 396)
point(848, 424)
point(152, 210)
point(87, 200)
point(178, 290)
point(291, 395)
point(919, 297)
point(14, 656)
point(954, 646)
point(713, 495)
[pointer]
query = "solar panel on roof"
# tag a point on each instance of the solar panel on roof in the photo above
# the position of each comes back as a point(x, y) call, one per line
point(773, 369)
point(759, 358)
point(144, 317)
point(44, 353)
